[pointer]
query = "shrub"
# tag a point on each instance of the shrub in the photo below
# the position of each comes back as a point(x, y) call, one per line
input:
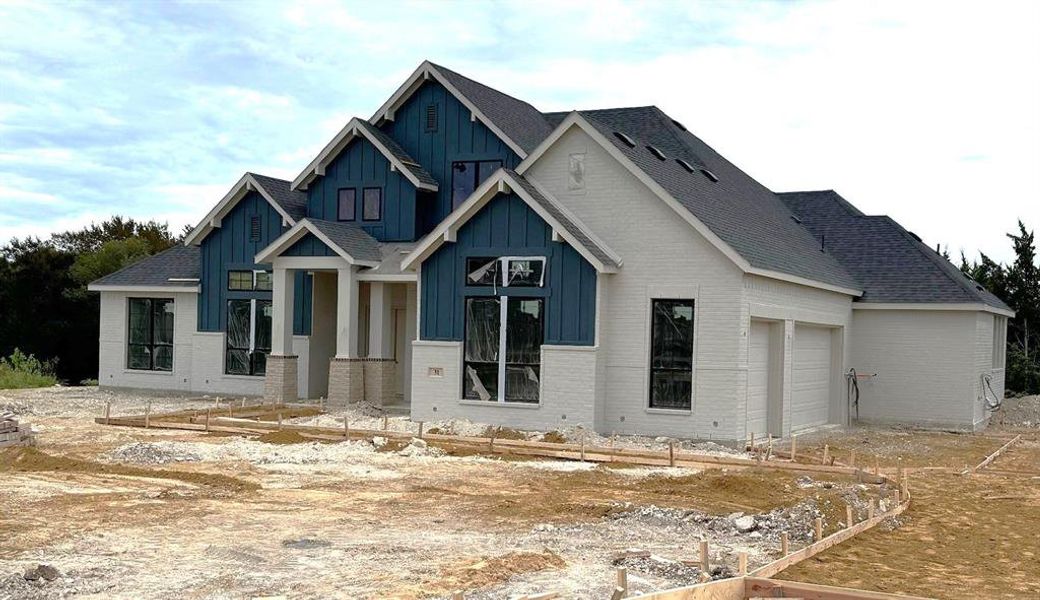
point(21, 370)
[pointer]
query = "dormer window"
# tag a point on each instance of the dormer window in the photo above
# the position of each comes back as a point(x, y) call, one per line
point(346, 208)
point(467, 175)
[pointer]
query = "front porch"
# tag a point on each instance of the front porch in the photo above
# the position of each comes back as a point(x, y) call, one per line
point(363, 318)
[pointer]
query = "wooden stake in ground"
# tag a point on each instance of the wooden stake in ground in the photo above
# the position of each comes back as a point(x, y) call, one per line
point(852, 458)
point(819, 529)
point(148, 415)
point(704, 556)
point(612, 436)
point(769, 447)
point(622, 581)
point(420, 429)
point(671, 454)
point(826, 453)
point(230, 410)
point(751, 444)
point(582, 446)
point(346, 427)
point(785, 544)
point(108, 412)
point(742, 563)
point(848, 515)
point(794, 448)
point(871, 508)
point(386, 422)
point(207, 419)
point(279, 421)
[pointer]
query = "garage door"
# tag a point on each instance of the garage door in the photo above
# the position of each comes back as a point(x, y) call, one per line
point(758, 379)
point(811, 380)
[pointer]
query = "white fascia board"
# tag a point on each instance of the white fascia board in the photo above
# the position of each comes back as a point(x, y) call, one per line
point(804, 281)
point(309, 263)
point(498, 182)
point(144, 289)
point(244, 185)
point(963, 306)
point(352, 129)
point(425, 72)
point(574, 119)
point(388, 277)
point(287, 239)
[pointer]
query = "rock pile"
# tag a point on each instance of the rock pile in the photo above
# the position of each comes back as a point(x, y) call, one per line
point(13, 433)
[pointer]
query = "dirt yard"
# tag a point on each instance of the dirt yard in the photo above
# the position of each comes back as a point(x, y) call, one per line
point(134, 513)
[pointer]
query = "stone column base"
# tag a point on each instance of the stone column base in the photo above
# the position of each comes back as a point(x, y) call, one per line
point(346, 381)
point(380, 381)
point(280, 383)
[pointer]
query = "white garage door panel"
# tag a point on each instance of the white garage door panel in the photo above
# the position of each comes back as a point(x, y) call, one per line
point(811, 380)
point(758, 378)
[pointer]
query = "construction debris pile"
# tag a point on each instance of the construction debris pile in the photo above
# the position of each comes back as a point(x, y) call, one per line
point(13, 433)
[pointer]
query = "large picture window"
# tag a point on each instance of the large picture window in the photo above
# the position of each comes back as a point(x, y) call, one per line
point(248, 337)
point(150, 334)
point(503, 342)
point(671, 354)
point(466, 175)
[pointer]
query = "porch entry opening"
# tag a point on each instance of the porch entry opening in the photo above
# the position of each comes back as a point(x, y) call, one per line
point(248, 337)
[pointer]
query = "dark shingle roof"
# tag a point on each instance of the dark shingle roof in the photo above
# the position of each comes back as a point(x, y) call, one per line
point(520, 121)
point(893, 265)
point(742, 212)
point(350, 238)
point(565, 220)
point(178, 262)
point(292, 202)
point(399, 153)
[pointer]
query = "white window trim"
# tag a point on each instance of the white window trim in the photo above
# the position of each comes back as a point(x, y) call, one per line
point(669, 294)
point(504, 269)
point(500, 394)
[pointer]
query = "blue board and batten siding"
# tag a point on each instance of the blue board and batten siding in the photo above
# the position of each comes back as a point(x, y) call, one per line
point(361, 166)
point(506, 226)
point(456, 138)
point(231, 247)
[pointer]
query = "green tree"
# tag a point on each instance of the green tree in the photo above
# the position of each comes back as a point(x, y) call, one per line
point(90, 239)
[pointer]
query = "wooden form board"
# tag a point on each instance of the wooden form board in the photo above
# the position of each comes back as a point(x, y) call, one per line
point(742, 588)
point(992, 457)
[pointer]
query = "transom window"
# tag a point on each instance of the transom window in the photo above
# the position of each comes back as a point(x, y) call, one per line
point(255, 280)
point(150, 334)
point(503, 342)
point(505, 271)
point(671, 354)
point(466, 175)
point(345, 204)
point(248, 337)
point(372, 204)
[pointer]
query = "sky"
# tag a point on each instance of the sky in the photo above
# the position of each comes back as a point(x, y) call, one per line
point(925, 111)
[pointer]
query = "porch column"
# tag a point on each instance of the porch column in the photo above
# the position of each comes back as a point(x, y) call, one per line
point(280, 378)
point(410, 320)
point(380, 367)
point(346, 373)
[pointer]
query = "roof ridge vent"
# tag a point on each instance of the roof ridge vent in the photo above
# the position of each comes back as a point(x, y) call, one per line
point(713, 177)
point(625, 139)
point(656, 152)
point(685, 165)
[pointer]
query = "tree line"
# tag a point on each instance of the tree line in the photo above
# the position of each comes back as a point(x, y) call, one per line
point(46, 310)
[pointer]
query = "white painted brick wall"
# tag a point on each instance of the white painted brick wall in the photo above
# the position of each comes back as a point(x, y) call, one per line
point(208, 369)
point(112, 344)
point(567, 393)
point(925, 363)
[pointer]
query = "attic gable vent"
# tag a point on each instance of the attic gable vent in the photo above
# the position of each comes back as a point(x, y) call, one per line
point(682, 163)
point(625, 139)
point(678, 124)
point(431, 118)
point(713, 177)
point(254, 229)
point(660, 155)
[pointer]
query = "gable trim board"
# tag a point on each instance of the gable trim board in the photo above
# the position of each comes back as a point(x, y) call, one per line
point(931, 306)
point(423, 73)
point(503, 181)
point(354, 128)
point(246, 184)
point(575, 119)
point(308, 226)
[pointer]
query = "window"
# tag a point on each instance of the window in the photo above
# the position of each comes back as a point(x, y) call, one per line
point(671, 354)
point(345, 204)
point(248, 281)
point(372, 204)
point(248, 337)
point(150, 334)
point(999, 341)
point(516, 271)
point(254, 229)
point(467, 175)
point(431, 118)
point(503, 342)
